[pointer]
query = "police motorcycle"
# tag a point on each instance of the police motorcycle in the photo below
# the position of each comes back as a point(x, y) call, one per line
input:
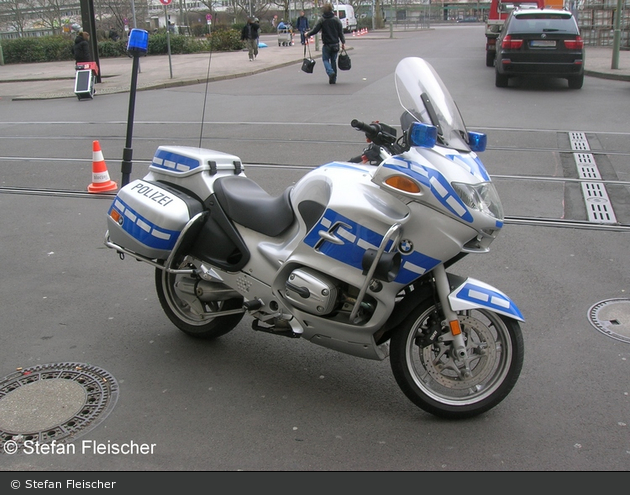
point(353, 257)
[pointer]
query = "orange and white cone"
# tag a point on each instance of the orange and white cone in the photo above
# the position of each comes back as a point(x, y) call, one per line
point(100, 176)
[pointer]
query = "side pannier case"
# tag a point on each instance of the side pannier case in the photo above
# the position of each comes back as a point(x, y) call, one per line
point(148, 215)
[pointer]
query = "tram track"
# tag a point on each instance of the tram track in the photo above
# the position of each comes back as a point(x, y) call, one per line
point(523, 220)
point(509, 220)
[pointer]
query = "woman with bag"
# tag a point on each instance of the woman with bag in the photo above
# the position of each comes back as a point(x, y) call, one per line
point(332, 36)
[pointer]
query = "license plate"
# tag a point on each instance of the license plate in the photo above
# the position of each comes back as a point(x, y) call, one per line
point(543, 43)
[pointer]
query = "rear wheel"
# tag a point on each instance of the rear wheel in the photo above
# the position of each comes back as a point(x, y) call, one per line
point(189, 313)
point(576, 82)
point(501, 80)
point(433, 378)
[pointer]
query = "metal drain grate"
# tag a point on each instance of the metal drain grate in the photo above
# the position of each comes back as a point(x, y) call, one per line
point(578, 141)
point(597, 202)
point(56, 402)
point(612, 318)
point(598, 205)
point(587, 168)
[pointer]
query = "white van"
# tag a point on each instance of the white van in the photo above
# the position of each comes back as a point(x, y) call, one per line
point(346, 15)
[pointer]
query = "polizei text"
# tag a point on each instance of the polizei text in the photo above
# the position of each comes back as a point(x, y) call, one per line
point(152, 193)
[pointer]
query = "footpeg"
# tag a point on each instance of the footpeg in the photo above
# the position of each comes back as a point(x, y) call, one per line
point(252, 305)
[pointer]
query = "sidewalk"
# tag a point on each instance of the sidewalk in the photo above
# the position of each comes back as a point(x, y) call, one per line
point(56, 79)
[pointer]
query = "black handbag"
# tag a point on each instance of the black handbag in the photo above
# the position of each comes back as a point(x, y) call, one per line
point(343, 61)
point(308, 63)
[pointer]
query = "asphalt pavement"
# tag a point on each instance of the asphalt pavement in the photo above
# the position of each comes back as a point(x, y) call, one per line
point(49, 80)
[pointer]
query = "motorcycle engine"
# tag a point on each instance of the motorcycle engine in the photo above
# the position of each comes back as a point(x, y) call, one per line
point(311, 291)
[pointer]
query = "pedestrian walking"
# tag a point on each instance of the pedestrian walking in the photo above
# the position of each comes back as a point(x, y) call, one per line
point(332, 36)
point(302, 26)
point(250, 35)
point(81, 48)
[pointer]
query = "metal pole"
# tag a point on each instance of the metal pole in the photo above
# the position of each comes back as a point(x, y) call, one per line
point(617, 36)
point(128, 151)
point(168, 42)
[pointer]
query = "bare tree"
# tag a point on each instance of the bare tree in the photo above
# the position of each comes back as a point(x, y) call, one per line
point(51, 12)
point(283, 5)
point(14, 14)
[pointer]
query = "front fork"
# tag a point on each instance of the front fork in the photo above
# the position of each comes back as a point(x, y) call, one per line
point(450, 317)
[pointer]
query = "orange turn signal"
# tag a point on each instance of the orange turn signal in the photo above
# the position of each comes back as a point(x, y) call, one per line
point(403, 183)
point(455, 328)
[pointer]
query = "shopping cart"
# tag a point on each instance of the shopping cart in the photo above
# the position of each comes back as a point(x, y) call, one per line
point(285, 37)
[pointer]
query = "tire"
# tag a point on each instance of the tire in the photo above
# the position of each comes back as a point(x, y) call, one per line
point(501, 80)
point(489, 58)
point(196, 321)
point(431, 379)
point(576, 82)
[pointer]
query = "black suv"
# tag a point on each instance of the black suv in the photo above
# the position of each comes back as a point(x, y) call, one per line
point(540, 42)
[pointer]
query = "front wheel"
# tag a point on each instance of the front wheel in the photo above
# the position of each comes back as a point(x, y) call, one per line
point(431, 376)
point(188, 313)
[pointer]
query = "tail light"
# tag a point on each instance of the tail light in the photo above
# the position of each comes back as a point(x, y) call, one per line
point(576, 44)
point(511, 44)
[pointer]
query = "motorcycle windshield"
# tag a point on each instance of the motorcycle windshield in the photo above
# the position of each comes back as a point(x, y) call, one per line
point(425, 99)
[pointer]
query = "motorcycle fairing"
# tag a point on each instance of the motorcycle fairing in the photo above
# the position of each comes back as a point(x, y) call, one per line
point(473, 293)
point(471, 163)
point(433, 181)
point(346, 241)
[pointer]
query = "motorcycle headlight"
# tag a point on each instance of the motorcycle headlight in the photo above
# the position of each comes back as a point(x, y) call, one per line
point(482, 197)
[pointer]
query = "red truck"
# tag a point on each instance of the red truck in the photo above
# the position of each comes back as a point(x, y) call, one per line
point(499, 10)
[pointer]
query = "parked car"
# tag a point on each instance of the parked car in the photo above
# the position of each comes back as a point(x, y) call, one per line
point(540, 42)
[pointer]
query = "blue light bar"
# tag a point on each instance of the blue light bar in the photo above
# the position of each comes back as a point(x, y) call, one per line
point(422, 135)
point(138, 41)
point(477, 141)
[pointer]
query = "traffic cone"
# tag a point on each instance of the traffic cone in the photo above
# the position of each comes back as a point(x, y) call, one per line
point(100, 176)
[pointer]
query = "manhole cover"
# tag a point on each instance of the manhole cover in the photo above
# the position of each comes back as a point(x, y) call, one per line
point(612, 318)
point(57, 402)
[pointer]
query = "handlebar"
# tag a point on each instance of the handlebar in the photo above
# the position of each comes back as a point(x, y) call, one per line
point(370, 130)
point(379, 134)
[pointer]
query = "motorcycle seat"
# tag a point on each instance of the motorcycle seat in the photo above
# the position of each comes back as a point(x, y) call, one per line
point(246, 203)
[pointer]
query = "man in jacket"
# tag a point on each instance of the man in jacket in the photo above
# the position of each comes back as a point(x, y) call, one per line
point(302, 26)
point(332, 35)
point(250, 36)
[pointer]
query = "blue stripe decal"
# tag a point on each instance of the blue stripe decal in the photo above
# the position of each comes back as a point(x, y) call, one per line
point(174, 162)
point(436, 183)
point(142, 229)
point(356, 240)
point(473, 165)
point(488, 298)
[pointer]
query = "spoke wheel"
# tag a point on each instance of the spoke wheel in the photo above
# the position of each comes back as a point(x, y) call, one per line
point(432, 377)
point(191, 315)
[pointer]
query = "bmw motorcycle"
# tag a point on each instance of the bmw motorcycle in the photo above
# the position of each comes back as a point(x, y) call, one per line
point(353, 257)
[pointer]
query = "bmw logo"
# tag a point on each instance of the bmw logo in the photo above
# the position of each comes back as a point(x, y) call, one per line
point(405, 246)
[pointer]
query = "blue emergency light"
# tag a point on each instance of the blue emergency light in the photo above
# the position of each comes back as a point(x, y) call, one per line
point(138, 41)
